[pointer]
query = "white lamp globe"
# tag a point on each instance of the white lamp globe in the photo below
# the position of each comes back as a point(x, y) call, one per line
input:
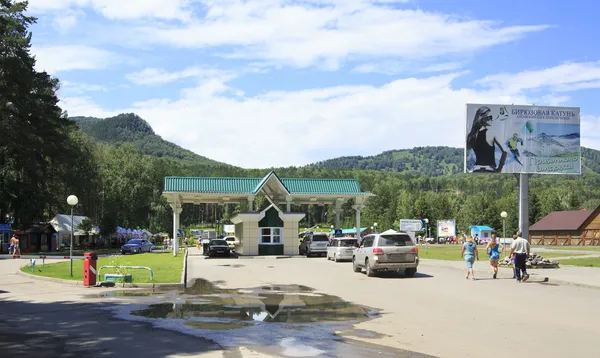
point(504, 214)
point(72, 200)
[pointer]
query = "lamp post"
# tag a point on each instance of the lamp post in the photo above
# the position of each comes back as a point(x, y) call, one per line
point(72, 200)
point(426, 241)
point(375, 226)
point(504, 215)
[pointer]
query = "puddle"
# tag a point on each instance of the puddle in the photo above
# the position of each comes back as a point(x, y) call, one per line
point(282, 320)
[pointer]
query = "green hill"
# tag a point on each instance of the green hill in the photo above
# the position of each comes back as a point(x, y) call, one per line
point(130, 128)
point(429, 161)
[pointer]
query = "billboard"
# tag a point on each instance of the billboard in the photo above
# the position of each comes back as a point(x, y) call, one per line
point(446, 228)
point(522, 139)
point(411, 225)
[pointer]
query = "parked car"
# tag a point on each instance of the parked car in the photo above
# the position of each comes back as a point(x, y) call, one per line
point(314, 244)
point(341, 248)
point(231, 242)
point(386, 252)
point(136, 246)
point(218, 247)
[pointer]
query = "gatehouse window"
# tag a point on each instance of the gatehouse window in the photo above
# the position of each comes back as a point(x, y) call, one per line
point(270, 235)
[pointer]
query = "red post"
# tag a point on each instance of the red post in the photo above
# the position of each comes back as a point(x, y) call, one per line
point(89, 269)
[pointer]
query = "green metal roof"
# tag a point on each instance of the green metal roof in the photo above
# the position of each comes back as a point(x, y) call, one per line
point(252, 185)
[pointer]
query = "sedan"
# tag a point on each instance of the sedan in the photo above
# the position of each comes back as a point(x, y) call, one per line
point(218, 247)
point(136, 246)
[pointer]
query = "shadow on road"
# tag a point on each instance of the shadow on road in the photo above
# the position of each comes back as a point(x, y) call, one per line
point(63, 329)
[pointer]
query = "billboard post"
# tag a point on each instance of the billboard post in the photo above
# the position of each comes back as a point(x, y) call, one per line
point(522, 140)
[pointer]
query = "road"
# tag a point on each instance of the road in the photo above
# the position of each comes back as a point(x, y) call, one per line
point(438, 312)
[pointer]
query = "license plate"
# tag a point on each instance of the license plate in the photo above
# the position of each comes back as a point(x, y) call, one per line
point(398, 256)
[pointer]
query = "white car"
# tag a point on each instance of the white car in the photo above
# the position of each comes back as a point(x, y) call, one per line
point(231, 241)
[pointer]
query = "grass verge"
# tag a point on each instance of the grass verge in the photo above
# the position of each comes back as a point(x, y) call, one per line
point(593, 249)
point(166, 268)
point(585, 262)
point(452, 253)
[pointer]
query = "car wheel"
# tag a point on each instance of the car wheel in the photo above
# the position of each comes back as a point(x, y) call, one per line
point(355, 266)
point(410, 272)
point(368, 269)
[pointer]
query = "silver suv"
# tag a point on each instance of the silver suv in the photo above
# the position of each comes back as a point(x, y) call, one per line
point(386, 252)
point(314, 244)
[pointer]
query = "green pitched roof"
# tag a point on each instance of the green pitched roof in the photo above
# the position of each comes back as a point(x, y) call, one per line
point(252, 185)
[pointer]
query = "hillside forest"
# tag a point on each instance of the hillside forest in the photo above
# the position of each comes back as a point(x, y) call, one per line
point(116, 166)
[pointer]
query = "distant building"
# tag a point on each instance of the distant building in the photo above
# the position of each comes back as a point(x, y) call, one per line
point(574, 227)
point(483, 232)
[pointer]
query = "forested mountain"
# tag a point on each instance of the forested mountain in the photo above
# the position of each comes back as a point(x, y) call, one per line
point(130, 128)
point(430, 161)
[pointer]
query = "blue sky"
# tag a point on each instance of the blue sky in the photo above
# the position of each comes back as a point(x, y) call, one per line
point(266, 83)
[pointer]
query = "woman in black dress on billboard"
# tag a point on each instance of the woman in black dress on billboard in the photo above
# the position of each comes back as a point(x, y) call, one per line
point(484, 147)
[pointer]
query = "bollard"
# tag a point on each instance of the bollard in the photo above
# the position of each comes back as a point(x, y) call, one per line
point(89, 269)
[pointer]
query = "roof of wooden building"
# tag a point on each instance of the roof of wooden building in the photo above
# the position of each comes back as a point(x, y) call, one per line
point(570, 220)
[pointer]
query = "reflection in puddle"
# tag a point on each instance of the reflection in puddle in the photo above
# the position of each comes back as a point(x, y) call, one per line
point(282, 320)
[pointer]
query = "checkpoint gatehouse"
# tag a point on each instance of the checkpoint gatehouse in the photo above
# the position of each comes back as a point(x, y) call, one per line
point(274, 230)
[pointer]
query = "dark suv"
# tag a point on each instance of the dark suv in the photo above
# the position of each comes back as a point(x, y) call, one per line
point(314, 244)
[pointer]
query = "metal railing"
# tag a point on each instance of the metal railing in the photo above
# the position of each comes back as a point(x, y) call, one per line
point(129, 267)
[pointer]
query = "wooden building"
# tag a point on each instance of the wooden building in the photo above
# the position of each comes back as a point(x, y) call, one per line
point(576, 227)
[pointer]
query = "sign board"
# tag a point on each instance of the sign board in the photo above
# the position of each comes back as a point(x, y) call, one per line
point(411, 225)
point(229, 228)
point(5, 227)
point(338, 233)
point(522, 139)
point(446, 228)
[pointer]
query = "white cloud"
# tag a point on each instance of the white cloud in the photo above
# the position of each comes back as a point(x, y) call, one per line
point(397, 67)
point(157, 76)
point(66, 21)
point(301, 34)
point(561, 78)
point(68, 87)
point(119, 9)
point(299, 127)
point(53, 59)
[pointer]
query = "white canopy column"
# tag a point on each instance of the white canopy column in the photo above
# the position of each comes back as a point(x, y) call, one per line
point(338, 213)
point(358, 207)
point(176, 206)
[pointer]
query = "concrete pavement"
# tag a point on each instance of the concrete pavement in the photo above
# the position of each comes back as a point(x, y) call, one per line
point(439, 312)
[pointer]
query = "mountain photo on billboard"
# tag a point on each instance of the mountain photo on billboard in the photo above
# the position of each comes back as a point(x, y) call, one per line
point(555, 140)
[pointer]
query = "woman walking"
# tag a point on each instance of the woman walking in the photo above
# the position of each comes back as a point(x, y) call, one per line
point(493, 250)
point(470, 253)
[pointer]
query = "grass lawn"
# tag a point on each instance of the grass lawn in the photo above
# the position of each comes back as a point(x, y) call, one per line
point(75, 252)
point(586, 262)
point(452, 253)
point(166, 268)
point(593, 249)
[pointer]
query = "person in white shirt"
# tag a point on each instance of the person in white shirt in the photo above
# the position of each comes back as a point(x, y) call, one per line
point(521, 248)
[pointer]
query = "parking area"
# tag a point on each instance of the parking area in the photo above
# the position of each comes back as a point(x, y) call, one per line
point(437, 311)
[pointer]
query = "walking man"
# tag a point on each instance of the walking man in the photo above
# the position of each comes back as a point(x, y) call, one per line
point(521, 248)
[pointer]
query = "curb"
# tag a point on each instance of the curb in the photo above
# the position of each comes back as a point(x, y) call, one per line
point(242, 257)
point(184, 271)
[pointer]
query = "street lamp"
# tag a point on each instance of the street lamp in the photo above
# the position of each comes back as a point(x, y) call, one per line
point(375, 225)
point(426, 241)
point(504, 215)
point(72, 200)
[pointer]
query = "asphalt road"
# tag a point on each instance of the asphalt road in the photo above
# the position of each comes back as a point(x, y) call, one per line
point(439, 312)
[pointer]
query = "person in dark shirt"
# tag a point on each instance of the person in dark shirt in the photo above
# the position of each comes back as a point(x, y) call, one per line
point(483, 145)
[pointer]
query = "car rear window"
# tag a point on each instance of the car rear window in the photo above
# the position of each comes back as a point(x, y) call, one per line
point(320, 238)
point(347, 243)
point(395, 240)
